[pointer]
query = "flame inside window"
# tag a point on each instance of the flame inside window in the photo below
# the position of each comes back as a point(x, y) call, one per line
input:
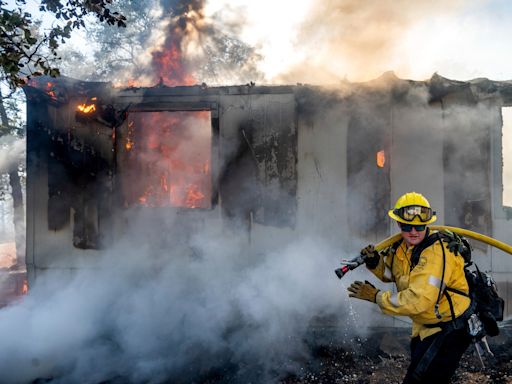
point(86, 108)
point(381, 159)
point(168, 157)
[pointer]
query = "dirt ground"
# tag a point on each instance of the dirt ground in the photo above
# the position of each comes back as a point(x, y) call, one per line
point(384, 358)
point(381, 358)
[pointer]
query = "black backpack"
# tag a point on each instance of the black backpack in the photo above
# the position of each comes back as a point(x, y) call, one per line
point(482, 289)
point(489, 306)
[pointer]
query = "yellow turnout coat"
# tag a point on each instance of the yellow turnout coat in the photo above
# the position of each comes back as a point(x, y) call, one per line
point(418, 290)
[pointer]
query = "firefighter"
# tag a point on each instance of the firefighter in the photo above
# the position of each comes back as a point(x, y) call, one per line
point(432, 291)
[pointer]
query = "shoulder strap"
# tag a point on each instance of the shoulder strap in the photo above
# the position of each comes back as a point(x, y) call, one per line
point(396, 244)
point(458, 292)
point(415, 258)
point(418, 249)
point(393, 250)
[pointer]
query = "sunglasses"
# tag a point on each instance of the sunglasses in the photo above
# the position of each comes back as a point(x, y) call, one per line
point(409, 227)
point(410, 212)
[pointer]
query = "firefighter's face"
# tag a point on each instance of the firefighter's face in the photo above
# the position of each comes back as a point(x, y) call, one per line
point(412, 235)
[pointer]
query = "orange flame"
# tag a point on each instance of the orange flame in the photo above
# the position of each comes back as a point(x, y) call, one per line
point(84, 108)
point(170, 66)
point(129, 141)
point(24, 288)
point(381, 159)
point(169, 62)
point(170, 164)
point(46, 86)
point(50, 91)
point(194, 197)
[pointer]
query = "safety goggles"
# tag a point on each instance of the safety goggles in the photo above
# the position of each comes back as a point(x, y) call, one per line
point(409, 227)
point(410, 212)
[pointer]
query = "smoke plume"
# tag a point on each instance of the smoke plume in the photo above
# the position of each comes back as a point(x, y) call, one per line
point(11, 152)
point(163, 313)
point(346, 38)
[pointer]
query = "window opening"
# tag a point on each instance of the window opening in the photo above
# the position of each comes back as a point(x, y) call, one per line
point(506, 150)
point(169, 159)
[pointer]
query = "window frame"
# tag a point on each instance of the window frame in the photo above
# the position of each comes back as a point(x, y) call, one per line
point(212, 107)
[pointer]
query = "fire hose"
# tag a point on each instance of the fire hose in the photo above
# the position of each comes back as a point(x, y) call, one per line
point(348, 265)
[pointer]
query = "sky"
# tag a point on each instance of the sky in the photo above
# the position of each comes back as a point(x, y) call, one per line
point(359, 40)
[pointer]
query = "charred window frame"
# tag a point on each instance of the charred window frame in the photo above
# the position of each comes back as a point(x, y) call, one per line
point(258, 183)
point(207, 106)
point(368, 172)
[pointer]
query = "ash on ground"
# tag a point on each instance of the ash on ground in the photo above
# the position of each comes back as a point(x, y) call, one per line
point(384, 358)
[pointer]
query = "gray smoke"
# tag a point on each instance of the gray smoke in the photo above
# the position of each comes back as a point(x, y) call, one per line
point(11, 152)
point(177, 310)
point(342, 39)
point(170, 40)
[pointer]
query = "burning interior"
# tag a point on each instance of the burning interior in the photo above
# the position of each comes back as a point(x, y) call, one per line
point(167, 159)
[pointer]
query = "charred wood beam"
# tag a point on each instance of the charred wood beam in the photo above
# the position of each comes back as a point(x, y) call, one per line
point(19, 216)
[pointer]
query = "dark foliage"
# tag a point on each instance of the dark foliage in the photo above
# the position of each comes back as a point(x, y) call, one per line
point(25, 53)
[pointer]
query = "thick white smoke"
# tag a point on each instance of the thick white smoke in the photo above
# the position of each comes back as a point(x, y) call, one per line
point(152, 313)
point(11, 152)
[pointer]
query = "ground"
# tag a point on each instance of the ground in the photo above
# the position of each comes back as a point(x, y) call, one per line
point(380, 358)
point(383, 358)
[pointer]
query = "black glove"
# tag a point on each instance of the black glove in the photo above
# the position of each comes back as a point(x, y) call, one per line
point(459, 245)
point(455, 245)
point(371, 256)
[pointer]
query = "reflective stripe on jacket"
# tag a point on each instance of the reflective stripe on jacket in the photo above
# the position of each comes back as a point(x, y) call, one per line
point(418, 290)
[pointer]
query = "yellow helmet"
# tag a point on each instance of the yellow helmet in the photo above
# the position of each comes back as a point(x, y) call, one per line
point(413, 208)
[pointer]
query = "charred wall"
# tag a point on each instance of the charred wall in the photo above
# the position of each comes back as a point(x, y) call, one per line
point(69, 161)
point(285, 161)
point(258, 137)
point(369, 186)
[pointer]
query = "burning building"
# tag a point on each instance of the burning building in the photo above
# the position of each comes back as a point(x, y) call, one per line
point(273, 161)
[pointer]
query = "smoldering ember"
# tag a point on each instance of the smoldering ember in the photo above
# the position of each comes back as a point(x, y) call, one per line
point(189, 233)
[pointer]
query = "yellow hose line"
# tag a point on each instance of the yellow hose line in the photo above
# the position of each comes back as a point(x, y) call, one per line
point(463, 232)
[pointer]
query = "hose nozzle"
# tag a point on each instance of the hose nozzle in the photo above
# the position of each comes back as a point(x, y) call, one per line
point(348, 265)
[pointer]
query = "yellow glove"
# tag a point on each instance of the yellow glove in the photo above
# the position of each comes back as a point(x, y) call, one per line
point(363, 291)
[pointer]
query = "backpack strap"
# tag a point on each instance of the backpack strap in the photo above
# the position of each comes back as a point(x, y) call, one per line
point(393, 250)
point(457, 292)
point(442, 289)
point(418, 249)
point(450, 303)
point(448, 236)
point(396, 244)
point(415, 258)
